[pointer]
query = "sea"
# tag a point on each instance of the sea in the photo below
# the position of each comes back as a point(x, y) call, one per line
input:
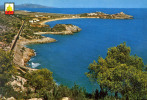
point(70, 56)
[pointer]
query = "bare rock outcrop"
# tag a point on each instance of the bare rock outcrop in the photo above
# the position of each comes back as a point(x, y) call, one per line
point(121, 15)
point(18, 83)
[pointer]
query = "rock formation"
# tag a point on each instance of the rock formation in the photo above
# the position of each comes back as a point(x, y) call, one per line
point(22, 54)
point(18, 83)
point(65, 29)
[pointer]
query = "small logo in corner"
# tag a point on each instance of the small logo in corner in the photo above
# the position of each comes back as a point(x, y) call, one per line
point(9, 8)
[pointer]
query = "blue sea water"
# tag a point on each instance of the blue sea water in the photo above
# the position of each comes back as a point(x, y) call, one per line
point(70, 56)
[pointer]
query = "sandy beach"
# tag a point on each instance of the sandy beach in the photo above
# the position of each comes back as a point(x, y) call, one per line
point(50, 20)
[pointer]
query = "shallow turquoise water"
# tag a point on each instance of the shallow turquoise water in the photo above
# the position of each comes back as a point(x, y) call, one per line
point(70, 56)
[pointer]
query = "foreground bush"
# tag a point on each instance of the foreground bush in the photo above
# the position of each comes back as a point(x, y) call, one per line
point(121, 73)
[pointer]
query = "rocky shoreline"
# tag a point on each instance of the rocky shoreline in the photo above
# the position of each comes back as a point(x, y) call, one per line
point(23, 54)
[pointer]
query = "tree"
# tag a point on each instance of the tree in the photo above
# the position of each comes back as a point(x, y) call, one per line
point(78, 93)
point(6, 67)
point(40, 79)
point(120, 73)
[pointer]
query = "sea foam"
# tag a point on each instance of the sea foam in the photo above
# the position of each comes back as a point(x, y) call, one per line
point(34, 65)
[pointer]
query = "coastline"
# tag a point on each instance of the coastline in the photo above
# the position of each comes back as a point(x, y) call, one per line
point(29, 52)
point(22, 54)
point(21, 59)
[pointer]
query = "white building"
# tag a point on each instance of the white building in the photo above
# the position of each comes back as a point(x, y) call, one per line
point(36, 15)
point(31, 21)
point(92, 14)
point(34, 20)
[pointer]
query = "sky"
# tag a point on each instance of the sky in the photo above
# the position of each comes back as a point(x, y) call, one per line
point(84, 3)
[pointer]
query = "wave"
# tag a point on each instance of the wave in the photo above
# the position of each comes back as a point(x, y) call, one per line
point(34, 65)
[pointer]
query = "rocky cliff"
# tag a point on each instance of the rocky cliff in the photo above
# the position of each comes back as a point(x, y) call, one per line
point(22, 54)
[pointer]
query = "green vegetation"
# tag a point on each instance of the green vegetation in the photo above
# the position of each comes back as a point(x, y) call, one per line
point(40, 79)
point(7, 69)
point(41, 29)
point(84, 15)
point(59, 28)
point(22, 17)
point(10, 25)
point(28, 32)
point(120, 73)
point(44, 86)
point(8, 36)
